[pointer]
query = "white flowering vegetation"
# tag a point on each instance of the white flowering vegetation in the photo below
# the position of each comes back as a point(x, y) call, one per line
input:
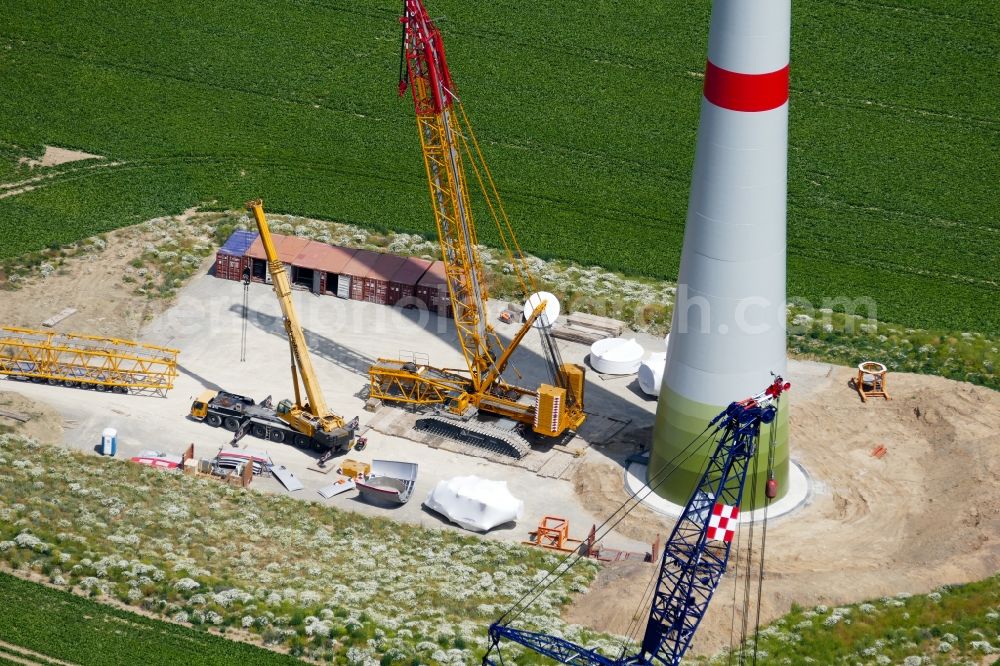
point(950, 625)
point(329, 585)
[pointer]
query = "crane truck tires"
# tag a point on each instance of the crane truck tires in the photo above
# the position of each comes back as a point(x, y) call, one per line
point(301, 442)
point(259, 431)
point(213, 420)
point(277, 436)
point(231, 423)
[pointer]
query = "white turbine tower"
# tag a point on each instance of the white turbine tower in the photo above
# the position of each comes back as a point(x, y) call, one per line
point(728, 331)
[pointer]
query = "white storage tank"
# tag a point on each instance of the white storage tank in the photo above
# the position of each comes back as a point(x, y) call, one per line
point(109, 442)
point(616, 356)
point(651, 371)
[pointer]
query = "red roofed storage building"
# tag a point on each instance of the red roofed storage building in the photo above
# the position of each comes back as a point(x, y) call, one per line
point(376, 277)
point(326, 263)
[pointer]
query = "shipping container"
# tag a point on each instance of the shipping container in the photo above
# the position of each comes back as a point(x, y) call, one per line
point(357, 269)
point(229, 260)
point(287, 247)
point(376, 285)
point(403, 282)
point(432, 290)
point(326, 262)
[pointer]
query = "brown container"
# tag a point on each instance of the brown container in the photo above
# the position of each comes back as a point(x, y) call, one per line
point(404, 281)
point(376, 283)
point(228, 266)
point(432, 290)
point(325, 261)
point(357, 270)
point(287, 247)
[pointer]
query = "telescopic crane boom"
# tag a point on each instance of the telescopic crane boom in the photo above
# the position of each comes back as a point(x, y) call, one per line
point(312, 418)
point(308, 424)
point(445, 136)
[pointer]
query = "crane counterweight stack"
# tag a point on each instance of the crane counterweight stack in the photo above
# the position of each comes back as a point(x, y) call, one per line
point(446, 139)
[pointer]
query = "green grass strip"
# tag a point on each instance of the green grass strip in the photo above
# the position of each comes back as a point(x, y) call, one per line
point(72, 628)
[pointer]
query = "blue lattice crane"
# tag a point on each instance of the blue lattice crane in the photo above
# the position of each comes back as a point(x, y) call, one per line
point(694, 557)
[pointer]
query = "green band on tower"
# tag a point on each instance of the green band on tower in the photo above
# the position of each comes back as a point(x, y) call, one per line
point(680, 464)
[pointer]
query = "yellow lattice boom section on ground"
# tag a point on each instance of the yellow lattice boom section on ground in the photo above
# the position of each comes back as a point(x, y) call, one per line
point(86, 360)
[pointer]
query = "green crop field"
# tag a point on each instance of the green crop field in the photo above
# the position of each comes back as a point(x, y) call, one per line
point(64, 626)
point(588, 113)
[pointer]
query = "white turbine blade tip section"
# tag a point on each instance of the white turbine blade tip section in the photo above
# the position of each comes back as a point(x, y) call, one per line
point(552, 309)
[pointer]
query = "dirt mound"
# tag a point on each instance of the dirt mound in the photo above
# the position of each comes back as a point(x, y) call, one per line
point(925, 514)
point(44, 423)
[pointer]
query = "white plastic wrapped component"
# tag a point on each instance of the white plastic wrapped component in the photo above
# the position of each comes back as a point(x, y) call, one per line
point(651, 373)
point(616, 356)
point(475, 503)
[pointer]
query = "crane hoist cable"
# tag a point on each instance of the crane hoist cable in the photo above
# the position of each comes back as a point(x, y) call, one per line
point(769, 494)
point(749, 565)
point(246, 313)
point(736, 587)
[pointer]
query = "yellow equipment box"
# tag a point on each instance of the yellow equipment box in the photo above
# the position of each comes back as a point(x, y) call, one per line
point(352, 468)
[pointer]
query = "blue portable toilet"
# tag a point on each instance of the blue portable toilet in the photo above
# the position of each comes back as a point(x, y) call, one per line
point(109, 442)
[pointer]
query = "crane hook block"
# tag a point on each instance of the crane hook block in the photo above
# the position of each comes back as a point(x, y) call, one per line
point(771, 489)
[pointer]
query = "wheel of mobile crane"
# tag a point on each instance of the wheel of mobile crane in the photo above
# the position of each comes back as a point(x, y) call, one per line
point(277, 436)
point(231, 423)
point(100, 387)
point(259, 431)
point(213, 420)
point(53, 382)
point(301, 442)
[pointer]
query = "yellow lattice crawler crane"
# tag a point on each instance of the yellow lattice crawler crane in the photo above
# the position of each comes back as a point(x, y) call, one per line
point(550, 411)
point(309, 424)
point(87, 361)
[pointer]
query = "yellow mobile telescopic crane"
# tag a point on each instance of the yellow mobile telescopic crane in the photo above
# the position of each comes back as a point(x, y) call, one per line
point(552, 409)
point(308, 424)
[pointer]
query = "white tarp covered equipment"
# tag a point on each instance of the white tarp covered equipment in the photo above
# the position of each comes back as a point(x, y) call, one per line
point(616, 356)
point(475, 503)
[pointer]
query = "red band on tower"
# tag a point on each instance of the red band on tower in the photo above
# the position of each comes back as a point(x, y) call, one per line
point(745, 92)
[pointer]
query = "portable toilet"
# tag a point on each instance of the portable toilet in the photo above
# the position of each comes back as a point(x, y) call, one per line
point(109, 442)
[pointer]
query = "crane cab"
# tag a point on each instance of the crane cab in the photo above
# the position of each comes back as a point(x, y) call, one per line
point(199, 408)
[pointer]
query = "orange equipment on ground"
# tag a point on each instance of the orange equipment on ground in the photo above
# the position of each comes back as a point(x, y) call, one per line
point(553, 534)
point(871, 381)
